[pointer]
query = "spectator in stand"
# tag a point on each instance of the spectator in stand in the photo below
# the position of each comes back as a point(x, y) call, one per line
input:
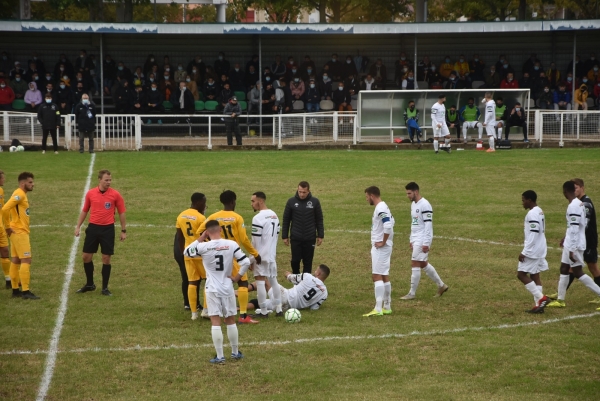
point(255, 98)
point(409, 82)
point(181, 73)
point(237, 78)
point(32, 70)
point(19, 86)
point(517, 118)
point(284, 102)
point(403, 74)
point(335, 68)
point(313, 97)
point(66, 78)
point(33, 98)
point(35, 77)
point(580, 100)
point(210, 89)
point(7, 96)
point(197, 64)
point(155, 102)
point(562, 98)
point(537, 69)
point(509, 82)
point(297, 88)
point(446, 67)
point(463, 71)
point(110, 73)
point(192, 86)
point(253, 62)
point(124, 73)
point(553, 75)
point(267, 77)
point(48, 79)
point(5, 64)
point(594, 73)
point(368, 84)
point(569, 82)
point(251, 78)
point(477, 67)
point(225, 93)
point(453, 82)
point(526, 82)
point(50, 89)
point(422, 67)
point(590, 63)
point(539, 85)
point(580, 70)
point(138, 75)
point(545, 99)
point(529, 64)
point(79, 91)
point(352, 86)
point(150, 81)
point(67, 67)
point(278, 69)
point(379, 73)
point(210, 72)
point(401, 67)
point(182, 100)
point(492, 78)
point(80, 79)
point(167, 86)
point(325, 87)
point(84, 63)
point(308, 67)
point(291, 73)
point(506, 69)
point(150, 64)
point(349, 68)
point(167, 69)
point(586, 81)
point(341, 98)
point(268, 99)
point(156, 73)
point(453, 121)
point(64, 97)
point(124, 97)
point(433, 77)
point(139, 100)
point(16, 70)
point(224, 80)
point(290, 63)
point(167, 63)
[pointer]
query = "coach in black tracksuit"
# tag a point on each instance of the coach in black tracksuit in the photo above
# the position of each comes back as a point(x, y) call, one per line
point(49, 116)
point(305, 215)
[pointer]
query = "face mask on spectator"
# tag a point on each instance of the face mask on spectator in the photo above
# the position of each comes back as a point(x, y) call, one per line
point(18, 79)
point(311, 85)
point(569, 79)
point(296, 79)
point(180, 68)
point(341, 88)
point(505, 65)
point(2, 86)
point(153, 88)
point(595, 68)
point(510, 79)
point(492, 71)
point(166, 77)
point(36, 78)
point(63, 86)
point(546, 90)
point(220, 57)
point(333, 59)
point(325, 78)
point(411, 78)
point(187, 80)
point(294, 71)
point(433, 68)
point(183, 88)
point(291, 62)
point(85, 101)
point(65, 77)
point(309, 70)
point(151, 79)
point(536, 68)
point(476, 59)
point(517, 109)
point(48, 101)
point(405, 69)
point(236, 69)
point(462, 60)
point(585, 80)
point(348, 61)
point(447, 60)
point(267, 79)
point(61, 68)
point(151, 60)
point(212, 83)
point(402, 58)
point(194, 71)
point(120, 68)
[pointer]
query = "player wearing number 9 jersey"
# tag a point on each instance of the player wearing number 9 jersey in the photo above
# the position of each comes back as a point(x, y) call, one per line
point(233, 228)
point(187, 224)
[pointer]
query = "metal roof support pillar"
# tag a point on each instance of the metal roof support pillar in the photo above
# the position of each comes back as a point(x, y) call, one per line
point(222, 13)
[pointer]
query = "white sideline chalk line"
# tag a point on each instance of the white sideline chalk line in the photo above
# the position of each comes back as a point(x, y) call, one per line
point(62, 308)
point(312, 340)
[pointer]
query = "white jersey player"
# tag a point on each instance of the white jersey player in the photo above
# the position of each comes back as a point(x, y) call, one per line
point(217, 256)
point(265, 232)
point(382, 240)
point(438, 122)
point(489, 121)
point(574, 245)
point(532, 259)
point(421, 236)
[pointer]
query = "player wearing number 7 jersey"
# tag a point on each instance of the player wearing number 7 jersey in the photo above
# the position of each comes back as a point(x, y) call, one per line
point(233, 228)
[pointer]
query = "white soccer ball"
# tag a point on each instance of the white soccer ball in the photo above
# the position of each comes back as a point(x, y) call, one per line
point(20, 148)
point(12, 149)
point(293, 316)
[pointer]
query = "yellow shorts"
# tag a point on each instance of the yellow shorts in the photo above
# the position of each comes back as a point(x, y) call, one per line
point(236, 269)
point(20, 246)
point(3, 237)
point(195, 269)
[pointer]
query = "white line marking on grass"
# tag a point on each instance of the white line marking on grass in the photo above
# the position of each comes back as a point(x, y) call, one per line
point(62, 308)
point(311, 340)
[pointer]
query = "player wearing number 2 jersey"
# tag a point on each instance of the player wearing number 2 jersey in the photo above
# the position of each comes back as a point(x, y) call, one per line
point(233, 228)
point(187, 224)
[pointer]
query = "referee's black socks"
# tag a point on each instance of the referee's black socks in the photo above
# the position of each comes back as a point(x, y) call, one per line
point(105, 276)
point(597, 281)
point(89, 273)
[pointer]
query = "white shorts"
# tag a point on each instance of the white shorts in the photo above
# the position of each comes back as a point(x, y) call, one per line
point(266, 269)
point(490, 130)
point(285, 304)
point(380, 259)
point(418, 254)
point(440, 132)
point(495, 123)
point(577, 254)
point(471, 124)
point(533, 266)
point(220, 306)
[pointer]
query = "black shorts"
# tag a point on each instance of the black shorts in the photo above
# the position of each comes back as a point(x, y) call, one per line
point(99, 235)
point(590, 255)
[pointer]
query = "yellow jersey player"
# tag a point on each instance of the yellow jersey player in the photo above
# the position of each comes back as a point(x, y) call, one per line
point(17, 207)
point(187, 224)
point(4, 224)
point(233, 228)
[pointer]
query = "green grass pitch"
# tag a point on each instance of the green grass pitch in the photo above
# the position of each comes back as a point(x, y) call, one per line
point(474, 343)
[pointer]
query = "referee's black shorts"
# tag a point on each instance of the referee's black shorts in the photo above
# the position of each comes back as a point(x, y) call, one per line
point(590, 255)
point(103, 236)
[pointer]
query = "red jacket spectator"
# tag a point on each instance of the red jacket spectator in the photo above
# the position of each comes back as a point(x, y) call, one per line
point(7, 96)
point(506, 84)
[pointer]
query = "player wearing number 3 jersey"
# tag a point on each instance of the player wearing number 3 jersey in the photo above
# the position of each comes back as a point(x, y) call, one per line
point(233, 228)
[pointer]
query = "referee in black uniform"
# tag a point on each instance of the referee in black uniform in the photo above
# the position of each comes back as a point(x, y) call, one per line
point(303, 212)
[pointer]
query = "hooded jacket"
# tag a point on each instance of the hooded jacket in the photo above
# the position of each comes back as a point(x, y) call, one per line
point(33, 96)
point(581, 94)
point(306, 218)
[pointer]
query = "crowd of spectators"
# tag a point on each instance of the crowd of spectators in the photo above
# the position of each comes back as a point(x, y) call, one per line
point(282, 86)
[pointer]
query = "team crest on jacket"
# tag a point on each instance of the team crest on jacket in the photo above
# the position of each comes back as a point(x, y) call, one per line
point(295, 204)
point(309, 205)
point(107, 205)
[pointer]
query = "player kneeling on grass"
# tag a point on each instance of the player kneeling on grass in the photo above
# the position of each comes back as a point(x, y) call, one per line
point(308, 292)
point(217, 256)
point(532, 260)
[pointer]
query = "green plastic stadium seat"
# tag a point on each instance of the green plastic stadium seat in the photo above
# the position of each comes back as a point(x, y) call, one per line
point(18, 104)
point(168, 105)
point(200, 96)
point(211, 105)
point(243, 105)
point(199, 105)
point(240, 96)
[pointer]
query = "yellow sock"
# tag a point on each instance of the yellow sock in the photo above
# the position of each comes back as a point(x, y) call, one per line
point(243, 299)
point(6, 268)
point(204, 298)
point(25, 276)
point(193, 297)
point(14, 275)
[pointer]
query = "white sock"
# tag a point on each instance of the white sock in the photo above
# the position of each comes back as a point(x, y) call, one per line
point(261, 295)
point(491, 139)
point(415, 277)
point(465, 130)
point(276, 293)
point(432, 274)
point(563, 282)
point(589, 283)
point(379, 292)
point(539, 287)
point(480, 127)
point(447, 142)
point(499, 134)
point(436, 145)
point(217, 337)
point(532, 288)
point(232, 334)
point(387, 295)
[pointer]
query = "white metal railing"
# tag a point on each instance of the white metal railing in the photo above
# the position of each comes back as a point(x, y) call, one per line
point(569, 125)
point(21, 126)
